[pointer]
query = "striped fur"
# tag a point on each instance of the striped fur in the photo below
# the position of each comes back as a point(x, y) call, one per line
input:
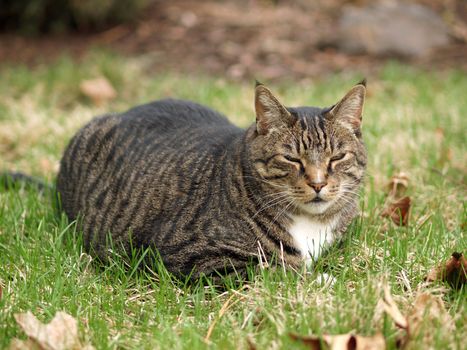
point(179, 177)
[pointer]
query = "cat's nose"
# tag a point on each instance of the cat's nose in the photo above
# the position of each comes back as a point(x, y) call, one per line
point(316, 178)
point(317, 186)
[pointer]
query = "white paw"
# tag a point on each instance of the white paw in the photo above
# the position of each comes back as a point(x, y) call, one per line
point(326, 279)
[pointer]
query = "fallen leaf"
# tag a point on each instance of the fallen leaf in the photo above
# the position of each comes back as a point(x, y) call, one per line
point(312, 342)
point(251, 343)
point(47, 166)
point(398, 185)
point(439, 135)
point(427, 313)
point(454, 271)
point(390, 307)
point(342, 342)
point(60, 334)
point(427, 307)
point(29, 344)
point(398, 210)
point(98, 90)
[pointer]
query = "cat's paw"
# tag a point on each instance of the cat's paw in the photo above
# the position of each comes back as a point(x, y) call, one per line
point(325, 279)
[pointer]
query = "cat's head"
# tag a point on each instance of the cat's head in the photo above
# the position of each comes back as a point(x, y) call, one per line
point(313, 159)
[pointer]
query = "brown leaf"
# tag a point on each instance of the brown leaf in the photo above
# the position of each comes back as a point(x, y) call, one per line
point(427, 313)
point(47, 166)
point(427, 307)
point(454, 271)
point(439, 135)
point(398, 185)
point(312, 342)
point(98, 90)
point(398, 211)
point(250, 343)
point(342, 342)
point(29, 344)
point(60, 334)
point(389, 306)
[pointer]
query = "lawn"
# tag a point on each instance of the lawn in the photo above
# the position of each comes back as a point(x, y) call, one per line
point(414, 122)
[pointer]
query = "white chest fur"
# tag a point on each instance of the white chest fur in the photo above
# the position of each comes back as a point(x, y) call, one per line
point(311, 236)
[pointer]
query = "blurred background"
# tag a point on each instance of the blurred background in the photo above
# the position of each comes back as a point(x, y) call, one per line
point(240, 39)
point(62, 62)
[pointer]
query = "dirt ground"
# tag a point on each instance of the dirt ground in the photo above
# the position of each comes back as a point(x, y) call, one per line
point(238, 39)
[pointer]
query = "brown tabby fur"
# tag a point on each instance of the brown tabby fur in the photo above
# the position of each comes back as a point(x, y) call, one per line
point(208, 196)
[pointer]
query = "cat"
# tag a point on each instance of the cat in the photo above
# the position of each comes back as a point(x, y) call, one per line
point(209, 197)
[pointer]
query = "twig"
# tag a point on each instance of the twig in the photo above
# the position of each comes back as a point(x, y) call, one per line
point(227, 305)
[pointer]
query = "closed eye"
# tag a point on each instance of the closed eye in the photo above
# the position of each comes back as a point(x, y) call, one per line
point(292, 159)
point(296, 160)
point(338, 157)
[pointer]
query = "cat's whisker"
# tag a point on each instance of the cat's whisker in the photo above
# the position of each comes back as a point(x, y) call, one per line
point(283, 211)
point(350, 194)
point(274, 194)
point(345, 200)
point(349, 188)
point(270, 183)
point(355, 183)
point(273, 184)
point(276, 204)
point(274, 198)
point(270, 205)
point(343, 191)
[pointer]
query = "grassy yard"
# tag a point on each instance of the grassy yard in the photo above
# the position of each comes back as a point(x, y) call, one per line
point(414, 122)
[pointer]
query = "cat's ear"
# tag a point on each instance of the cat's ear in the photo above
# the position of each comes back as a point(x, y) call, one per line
point(349, 110)
point(270, 113)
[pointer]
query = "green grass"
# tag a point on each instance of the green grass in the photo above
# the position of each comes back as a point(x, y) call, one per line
point(414, 122)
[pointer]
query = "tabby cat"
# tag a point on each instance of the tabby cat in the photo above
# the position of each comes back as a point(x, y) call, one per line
point(210, 197)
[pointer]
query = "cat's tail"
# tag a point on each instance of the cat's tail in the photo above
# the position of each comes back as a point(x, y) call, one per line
point(9, 180)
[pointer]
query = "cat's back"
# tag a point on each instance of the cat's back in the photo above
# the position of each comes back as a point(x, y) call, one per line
point(178, 125)
point(131, 150)
point(160, 124)
point(170, 114)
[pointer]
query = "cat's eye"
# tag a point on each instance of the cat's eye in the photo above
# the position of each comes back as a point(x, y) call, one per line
point(292, 159)
point(338, 157)
point(296, 160)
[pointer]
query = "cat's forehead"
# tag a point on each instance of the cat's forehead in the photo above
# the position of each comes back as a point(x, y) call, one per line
point(313, 132)
point(308, 117)
point(308, 112)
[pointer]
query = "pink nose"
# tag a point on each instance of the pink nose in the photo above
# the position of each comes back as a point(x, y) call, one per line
point(318, 186)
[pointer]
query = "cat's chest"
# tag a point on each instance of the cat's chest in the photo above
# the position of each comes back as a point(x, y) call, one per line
point(311, 236)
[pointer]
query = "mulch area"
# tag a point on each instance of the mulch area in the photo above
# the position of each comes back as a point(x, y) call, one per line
point(237, 39)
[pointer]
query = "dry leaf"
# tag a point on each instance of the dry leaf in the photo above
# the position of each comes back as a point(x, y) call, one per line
point(454, 271)
point(60, 334)
point(427, 313)
point(389, 306)
point(398, 185)
point(398, 211)
point(397, 207)
point(48, 166)
point(312, 342)
point(439, 135)
point(342, 342)
point(427, 307)
point(98, 90)
point(29, 344)
point(250, 343)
